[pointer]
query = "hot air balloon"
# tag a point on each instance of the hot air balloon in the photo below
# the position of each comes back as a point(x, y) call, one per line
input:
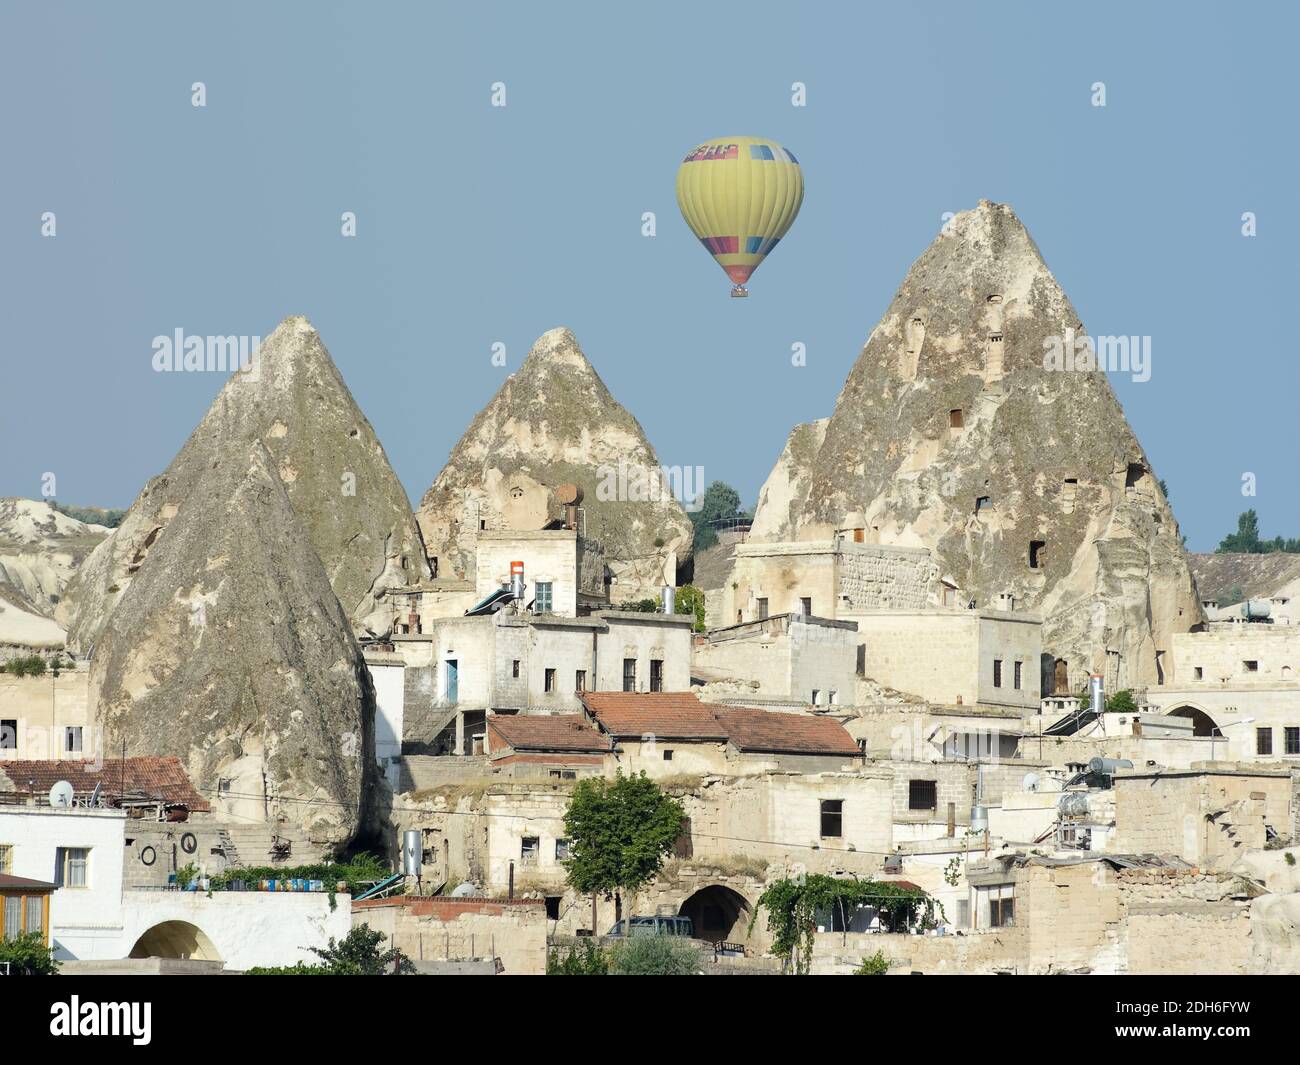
point(739, 195)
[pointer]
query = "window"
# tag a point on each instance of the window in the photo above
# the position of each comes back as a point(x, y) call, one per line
point(629, 674)
point(1002, 907)
point(580, 681)
point(1292, 740)
point(13, 916)
point(72, 739)
point(1198, 673)
point(550, 682)
point(553, 907)
point(668, 756)
point(70, 866)
point(9, 734)
point(956, 420)
point(6, 858)
point(816, 696)
point(832, 818)
point(1251, 665)
point(542, 600)
point(997, 672)
point(963, 913)
point(922, 795)
point(1037, 553)
point(561, 849)
point(1263, 741)
point(514, 669)
point(562, 774)
point(762, 609)
point(529, 849)
point(805, 605)
point(656, 674)
point(981, 503)
point(832, 697)
point(1019, 666)
point(35, 914)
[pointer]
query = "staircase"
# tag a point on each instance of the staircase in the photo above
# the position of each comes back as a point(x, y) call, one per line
point(228, 849)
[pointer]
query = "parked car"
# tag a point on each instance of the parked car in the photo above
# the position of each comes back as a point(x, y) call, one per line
point(653, 926)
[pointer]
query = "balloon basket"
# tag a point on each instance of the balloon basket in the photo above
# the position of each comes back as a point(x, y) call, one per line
point(739, 292)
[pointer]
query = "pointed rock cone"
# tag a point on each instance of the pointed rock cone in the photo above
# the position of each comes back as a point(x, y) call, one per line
point(230, 650)
point(955, 399)
point(292, 400)
point(553, 423)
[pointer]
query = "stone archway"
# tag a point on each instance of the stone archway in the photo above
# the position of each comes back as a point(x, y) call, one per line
point(719, 913)
point(175, 939)
point(1202, 723)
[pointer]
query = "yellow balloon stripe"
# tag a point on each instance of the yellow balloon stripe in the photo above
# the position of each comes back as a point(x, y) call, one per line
point(739, 195)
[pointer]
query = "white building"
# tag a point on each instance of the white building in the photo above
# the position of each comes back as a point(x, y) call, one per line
point(92, 916)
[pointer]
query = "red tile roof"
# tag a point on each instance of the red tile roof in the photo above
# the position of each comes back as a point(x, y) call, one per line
point(775, 732)
point(22, 883)
point(545, 732)
point(153, 777)
point(670, 715)
point(681, 716)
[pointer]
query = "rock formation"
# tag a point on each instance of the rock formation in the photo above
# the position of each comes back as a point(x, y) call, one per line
point(292, 399)
point(1231, 577)
point(40, 550)
point(230, 650)
point(553, 422)
point(954, 433)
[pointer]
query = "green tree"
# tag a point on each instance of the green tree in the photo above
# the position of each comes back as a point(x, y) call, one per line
point(719, 502)
point(876, 965)
point(27, 955)
point(690, 600)
point(586, 959)
point(619, 833)
point(1245, 539)
point(358, 954)
point(1121, 702)
point(655, 956)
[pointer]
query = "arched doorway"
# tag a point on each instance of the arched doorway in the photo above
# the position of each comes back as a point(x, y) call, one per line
point(1202, 723)
point(175, 939)
point(719, 914)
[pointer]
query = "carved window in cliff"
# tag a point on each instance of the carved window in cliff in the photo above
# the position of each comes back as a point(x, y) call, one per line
point(1198, 673)
point(1251, 665)
point(956, 419)
point(981, 502)
point(1037, 554)
point(995, 298)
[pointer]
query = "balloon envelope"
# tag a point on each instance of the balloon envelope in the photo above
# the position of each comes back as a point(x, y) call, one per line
point(739, 195)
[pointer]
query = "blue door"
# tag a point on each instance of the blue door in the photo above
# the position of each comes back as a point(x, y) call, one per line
point(453, 679)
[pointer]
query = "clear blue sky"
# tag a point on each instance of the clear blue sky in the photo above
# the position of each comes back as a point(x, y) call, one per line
point(478, 225)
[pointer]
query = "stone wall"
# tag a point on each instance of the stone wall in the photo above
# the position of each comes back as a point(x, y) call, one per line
point(872, 577)
point(448, 929)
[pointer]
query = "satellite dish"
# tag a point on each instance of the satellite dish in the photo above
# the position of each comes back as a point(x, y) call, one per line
point(94, 795)
point(464, 891)
point(61, 794)
point(1030, 783)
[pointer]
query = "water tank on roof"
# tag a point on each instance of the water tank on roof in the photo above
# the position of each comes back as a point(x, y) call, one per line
point(1256, 609)
point(412, 852)
point(1105, 767)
